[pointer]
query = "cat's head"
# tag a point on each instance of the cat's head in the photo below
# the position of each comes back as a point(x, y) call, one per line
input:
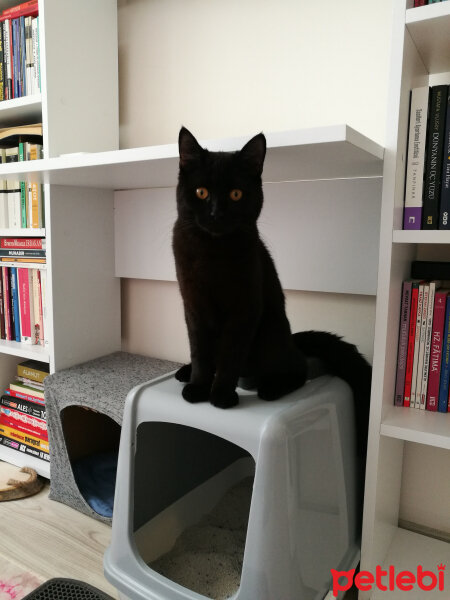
point(220, 192)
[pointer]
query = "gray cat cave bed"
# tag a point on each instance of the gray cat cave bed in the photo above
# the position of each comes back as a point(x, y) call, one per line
point(84, 416)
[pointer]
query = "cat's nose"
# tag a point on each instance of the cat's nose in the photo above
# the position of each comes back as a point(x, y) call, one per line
point(216, 211)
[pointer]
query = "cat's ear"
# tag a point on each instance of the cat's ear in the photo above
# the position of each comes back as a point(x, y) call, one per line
point(254, 152)
point(190, 149)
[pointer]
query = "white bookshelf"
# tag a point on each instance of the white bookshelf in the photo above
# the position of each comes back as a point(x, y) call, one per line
point(309, 154)
point(420, 55)
point(83, 294)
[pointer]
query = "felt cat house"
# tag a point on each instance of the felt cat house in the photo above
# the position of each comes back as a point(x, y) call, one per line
point(176, 461)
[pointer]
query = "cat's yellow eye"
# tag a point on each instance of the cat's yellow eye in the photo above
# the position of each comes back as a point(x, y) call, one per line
point(236, 194)
point(202, 193)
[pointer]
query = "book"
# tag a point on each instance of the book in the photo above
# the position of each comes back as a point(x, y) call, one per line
point(24, 304)
point(429, 269)
point(416, 345)
point(24, 406)
point(19, 133)
point(445, 362)
point(14, 253)
point(428, 335)
point(411, 341)
point(444, 220)
point(436, 349)
point(403, 343)
point(433, 161)
point(23, 243)
point(23, 9)
point(26, 389)
point(412, 216)
point(24, 423)
point(24, 395)
point(25, 438)
point(33, 369)
point(423, 332)
point(15, 302)
point(24, 448)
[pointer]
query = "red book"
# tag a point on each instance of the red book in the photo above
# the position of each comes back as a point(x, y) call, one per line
point(24, 304)
point(25, 9)
point(6, 302)
point(23, 396)
point(411, 343)
point(434, 373)
point(23, 243)
point(24, 423)
point(419, 3)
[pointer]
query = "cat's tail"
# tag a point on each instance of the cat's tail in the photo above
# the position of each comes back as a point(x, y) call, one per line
point(343, 360)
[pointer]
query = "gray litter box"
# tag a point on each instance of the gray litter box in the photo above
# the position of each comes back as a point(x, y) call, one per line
point(177, 460)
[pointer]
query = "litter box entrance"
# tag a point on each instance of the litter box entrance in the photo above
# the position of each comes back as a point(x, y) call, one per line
point(192, 495)
point(92, 442)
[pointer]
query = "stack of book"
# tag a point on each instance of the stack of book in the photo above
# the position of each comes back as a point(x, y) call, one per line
point(427, 185)
point(21, 202)
point(23, 305)
point(19, 51)
point(423, 360)
point(23, 425)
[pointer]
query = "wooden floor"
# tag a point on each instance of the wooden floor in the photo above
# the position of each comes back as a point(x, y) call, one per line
point(53, 540)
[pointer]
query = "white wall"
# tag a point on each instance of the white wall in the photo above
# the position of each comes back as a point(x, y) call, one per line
point(236, 67)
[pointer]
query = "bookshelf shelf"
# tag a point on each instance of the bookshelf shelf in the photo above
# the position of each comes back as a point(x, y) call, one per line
point(26, 351)
point(420, 237)
point(429, 28)
point(407, 550)
point(23, 232)
point(414, 425)
point(309, 154)
point(27, 109)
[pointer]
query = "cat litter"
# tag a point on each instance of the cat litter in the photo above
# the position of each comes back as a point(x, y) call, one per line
point(207, 558)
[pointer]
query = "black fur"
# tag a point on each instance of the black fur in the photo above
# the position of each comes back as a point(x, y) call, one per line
point(233, 301)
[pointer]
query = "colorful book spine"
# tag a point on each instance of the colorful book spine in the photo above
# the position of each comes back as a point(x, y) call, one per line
point(24, 304)
point(436, 349)
point(24, 423)
point(423, 332)
point(411, 340)
point(24, 406)
point(445, 364)
point(444, 220)
point(25, 438)
point(428, 335)
point(433, 166)
point(24, 395)
point(22, 243)
point(412, 217)
point(24, 448)
point(416, 345)
point(403, 343)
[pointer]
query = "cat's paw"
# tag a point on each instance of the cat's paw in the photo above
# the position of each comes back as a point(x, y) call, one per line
point(224, 398)
point(193, 393)
point(184, 373)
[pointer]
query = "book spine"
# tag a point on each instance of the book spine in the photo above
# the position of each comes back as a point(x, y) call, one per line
point(416, 345)
point(23, 9)
point(24, 423)
point(7, 302)
point(423, 331)
point(445, 364)
point(2, 74)
point(419, 3)
point(25, 438)
point(24, 406)
point(444, 220)
point(24, 448)
point(433, 170)
point(34, 374)
point(436, 350)
point(412, 216)
point(428, 334)
point(411, 339)
point(15, 302)
point(22, 243)
point(2, 312)
point(403, 343)
point(24, 396)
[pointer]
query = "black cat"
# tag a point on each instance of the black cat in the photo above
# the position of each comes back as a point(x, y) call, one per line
point(233, 301)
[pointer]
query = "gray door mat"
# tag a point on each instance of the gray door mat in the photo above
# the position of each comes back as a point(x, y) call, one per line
point(66, 589)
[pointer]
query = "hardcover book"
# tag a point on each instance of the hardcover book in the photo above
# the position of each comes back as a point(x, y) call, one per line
point(403, 343)
point(444, 220)
point(436, 349)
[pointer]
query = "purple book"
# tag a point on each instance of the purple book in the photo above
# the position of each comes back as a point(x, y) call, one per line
point(403, 343)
